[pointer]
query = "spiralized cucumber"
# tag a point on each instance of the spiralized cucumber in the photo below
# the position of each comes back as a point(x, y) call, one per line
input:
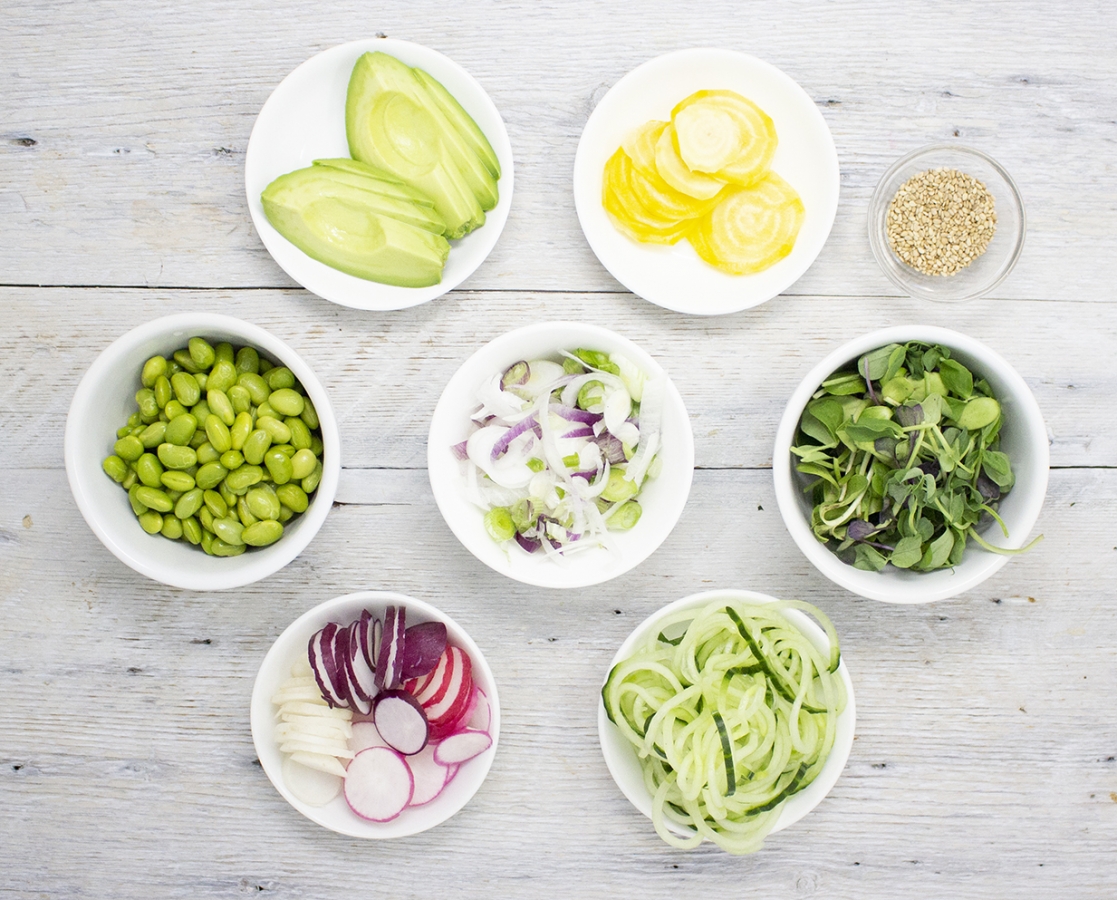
point(729, 719)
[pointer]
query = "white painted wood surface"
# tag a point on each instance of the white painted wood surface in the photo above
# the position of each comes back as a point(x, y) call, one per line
point(987, 732)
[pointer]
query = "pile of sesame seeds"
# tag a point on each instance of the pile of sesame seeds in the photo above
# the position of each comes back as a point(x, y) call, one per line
point(940, 221)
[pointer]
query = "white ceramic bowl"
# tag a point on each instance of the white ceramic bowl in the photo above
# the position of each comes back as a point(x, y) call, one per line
point(676, 277)
point(662, 498)
point(102, 403)
point(304, 120)
point(276, 668)
point(620, 755)
point(1023, 438)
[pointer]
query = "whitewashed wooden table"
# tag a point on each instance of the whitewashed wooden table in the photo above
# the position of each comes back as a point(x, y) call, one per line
point(984, 764)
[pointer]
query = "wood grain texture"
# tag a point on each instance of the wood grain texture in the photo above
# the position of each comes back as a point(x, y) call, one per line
point(984, 764)
point(124, 128)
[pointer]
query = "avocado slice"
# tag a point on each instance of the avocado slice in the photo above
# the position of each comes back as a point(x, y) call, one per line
point(377, 180)
point(392, 123)
point(469, 130)
point(339, 225)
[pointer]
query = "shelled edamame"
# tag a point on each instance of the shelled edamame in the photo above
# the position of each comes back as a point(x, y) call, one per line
point(223, 450)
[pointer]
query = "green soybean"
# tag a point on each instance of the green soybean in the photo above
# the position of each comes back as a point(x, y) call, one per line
point(202, 352)
point(151, 522)
point(245, 515)
point(162, 391)
point(149, 470)
point(207, 454)
point(153, 369)
point(309, 414)
point(232, 459)
point(263, 502)
point(207, 542)
point(240, 431)
point(173, 409)
point(224, 352)
point(300, 434)
point(280, 377)
point(280, 433)
point(153, 435)
point(279, 466)
point(186, 388)
point(201, 411)
point(302, 464)
point(180, 430)
point(286, 514)
point(210, 475)
point(240, 398)
point(216, 504)
point(316, 446)
point(137, 507)
point(172, 528)
point(206, 518)
point(311, 482)
point(217, 432)
point(227, 495)
point(175, 457)
point(257, 388)
point(182, 358)
point(202, 378)
point(191, 530)
point(222, 548)
point(262, 533)
point(177, 481)
point(255, 446)
point(129, 480)
point(293, 496)
point(221, 406)
point(189, 503)
point(229, 530)
point(286, 402)
point(153, 498)
point(222, 376)
point(243, 478)
point(123, 430)
point(247, 360)
point(149, 408)
point(115, 468)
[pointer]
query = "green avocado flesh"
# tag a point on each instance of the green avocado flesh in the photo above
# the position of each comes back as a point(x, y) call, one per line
point(395, 123)
point(350, 228)
point(462, 121)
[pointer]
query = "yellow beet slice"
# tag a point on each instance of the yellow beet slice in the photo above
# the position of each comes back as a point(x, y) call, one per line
point(628, 214)
point(676, 173)
point(640, 145)
point(724, 134)
point(751, 228)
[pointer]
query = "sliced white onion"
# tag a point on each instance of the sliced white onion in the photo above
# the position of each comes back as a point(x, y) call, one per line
point(511, 469)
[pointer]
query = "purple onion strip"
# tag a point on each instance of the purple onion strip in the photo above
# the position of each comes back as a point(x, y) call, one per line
point(511, 434)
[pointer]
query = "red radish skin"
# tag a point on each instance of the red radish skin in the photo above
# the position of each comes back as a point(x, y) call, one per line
point(436, 688)
point(358, 699)
point(392, 648)
point(321, 647)
point(462, 746)
point(374, 646)
point(401, 721)
point(424, 646)
point(430, 777)
point(363, 676)
point(379, 784)
point(335, 665)
point(449, 702)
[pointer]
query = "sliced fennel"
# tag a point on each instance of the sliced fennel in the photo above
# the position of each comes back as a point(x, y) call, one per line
point(561, 448)
point(729, 718)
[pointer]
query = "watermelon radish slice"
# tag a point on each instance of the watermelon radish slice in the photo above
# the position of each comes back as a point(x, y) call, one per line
point(378, 784)
point(401, 721)
point(461, 746)
point(424, 645)
point(430, 777)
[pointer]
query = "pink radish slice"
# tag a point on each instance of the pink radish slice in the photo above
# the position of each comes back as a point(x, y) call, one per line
point(365, 735)
point(425, 644)
point(358, 699)
point(459, 719)
point(448, 704)
point(378, 784)
point(401, 721)
point(392, 647)
point(430, 777)
point(482, 715)
point(435, 689)
point(461, 746)
point(321, 646)
point(364, 677)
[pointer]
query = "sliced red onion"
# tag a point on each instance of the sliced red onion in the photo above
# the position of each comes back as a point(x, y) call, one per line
point(529, 544)
point(611, 448)
point(573, 414)
point(502, 444)
point(584, 432)
point(459, 451)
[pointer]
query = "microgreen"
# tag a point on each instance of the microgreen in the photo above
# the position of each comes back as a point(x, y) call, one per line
point(903, 455)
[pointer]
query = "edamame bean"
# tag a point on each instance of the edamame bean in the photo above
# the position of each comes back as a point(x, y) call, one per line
point(210, 475)
point(266, 365)
point(186, 388)
point(293, 496)
point(137, 507)
point(153, 369)
point(198, 439)
point(245, 514)
point(300, 434)
point(180, 430)
point(192, 531)
point(232, 459)
point(123, 430)
point(177, 481)
point(286, 401)
point(302, 464)
point(149, 408)
point(311, 482)
point(222, 376)
point(153, 498)
point(257, 388)
point(134, 420)
point(174, 409)
point(224, 352)
point(309, 414)
point(183, 358)
point(202, 378)
point(115, 468)
point(174, 457)
point(206, 518)
point(201, 411)
point(240, 398)
point(262, 533)
point(279, 466)
point(255, 446)
point(189, 503)
point(221, 406)
point(247, 360)
point(286, 514)
point(207, 454)
point(207, 542)
point(162, 391)
point(173, 366)
point(265, 409)
point(151, 522)
point(263, 502)
point(218, 433)
point(149, 470)
point(280, 377)
point(221, 548)
point(227, 495)
point(153, 435)
point(280, 433)
point(240, 431)
point(130, 479)
point(229, 530)
point(216, 504)
point(243, 478)
point(201, 352)
point(316, 446)
point(128, 448)
point(172, 528)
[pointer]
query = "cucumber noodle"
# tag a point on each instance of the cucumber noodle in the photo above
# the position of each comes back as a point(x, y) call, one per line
point(730, 719)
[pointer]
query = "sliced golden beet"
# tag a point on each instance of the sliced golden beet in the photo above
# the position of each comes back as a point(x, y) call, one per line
point(751, 228)
point(628, 214)
point(724, 134)
point(640, 145)
point(662, 200)
point(676, 173)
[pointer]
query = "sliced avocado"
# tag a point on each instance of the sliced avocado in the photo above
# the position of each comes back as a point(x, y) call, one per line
point(339, 227)
point(305, 186)
point(462, 121)
point(381, 185)
point(357, 168)
point(391, 122)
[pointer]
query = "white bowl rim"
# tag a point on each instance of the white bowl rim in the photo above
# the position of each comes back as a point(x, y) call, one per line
point(261, 715)
point(476, 541)
point(265, 561)
point(798, 806)
point(876, 585)
point(383, 297)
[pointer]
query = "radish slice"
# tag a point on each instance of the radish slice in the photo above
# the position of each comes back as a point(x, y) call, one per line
point(321, 646)
point(360, 701)
point(448, 704)
point(482, 715)
point(389, 664)
point(435, 689)
point(379, 784)
point(312, 786)
point(363, 675)
point(364, 736)
point(430, 776)
point(461, 746)
point(401, 721)
point(425, 644)
point(319, 761)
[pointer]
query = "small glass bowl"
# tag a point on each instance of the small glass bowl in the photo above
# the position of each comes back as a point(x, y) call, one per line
point(989, 269)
